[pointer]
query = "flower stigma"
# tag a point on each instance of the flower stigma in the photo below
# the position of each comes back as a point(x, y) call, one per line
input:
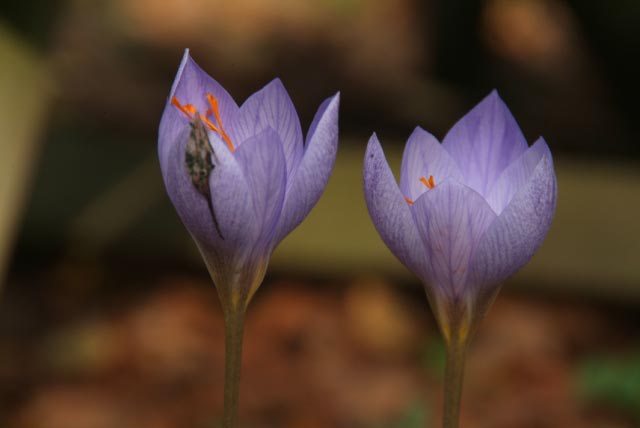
point(430, 183)
point(190, 110)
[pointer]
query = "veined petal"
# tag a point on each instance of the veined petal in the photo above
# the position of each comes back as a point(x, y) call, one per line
point(190, 87)
point(513, 238)
point(484, 142)
point(424, 156)
point(270, 107)
point(308, 180)
point(450, 219)
point(262, 161)
point(230, 200)
point(390, 212)
point(516, 175)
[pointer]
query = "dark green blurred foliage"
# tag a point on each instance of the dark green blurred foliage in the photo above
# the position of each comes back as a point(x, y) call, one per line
point(613, 381)
point(33, 19)
point(433, 358)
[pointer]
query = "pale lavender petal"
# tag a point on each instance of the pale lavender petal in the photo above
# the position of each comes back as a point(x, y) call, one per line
point(262, 161)
point(190, 87)
point(484, 142)
point(517, 233)
point(424, 156)
point(451, 218)
point(230, 198)
point(270, 107)
point(516, 175)
point(309, 179)
point(390, 212)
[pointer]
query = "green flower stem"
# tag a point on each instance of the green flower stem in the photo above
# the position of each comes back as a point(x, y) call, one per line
point(234, 330)
point(453, 376)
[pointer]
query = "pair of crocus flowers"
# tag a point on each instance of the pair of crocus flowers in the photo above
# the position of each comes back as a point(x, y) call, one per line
point(468, 213)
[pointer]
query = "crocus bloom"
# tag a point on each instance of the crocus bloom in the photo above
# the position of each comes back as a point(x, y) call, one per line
point(468, 213)
point(241, 178)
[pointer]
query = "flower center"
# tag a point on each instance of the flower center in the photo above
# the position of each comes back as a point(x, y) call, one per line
point(430, 183)
point(190, 111)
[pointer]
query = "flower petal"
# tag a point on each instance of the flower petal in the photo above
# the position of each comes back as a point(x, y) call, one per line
point(193, 83)
point(484, 142)
point(451, 218)
point(309, 179)
point(230, 199)
point(424, 156)
point(516, 175)
point(390, 212)
point(270, 107)
point(517, 233)
point(190, 87)
point(262, 161)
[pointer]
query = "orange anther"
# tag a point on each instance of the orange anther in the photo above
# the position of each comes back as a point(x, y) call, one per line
point(187, 109)
point(409, 201)
point(208, 123)
point(430, 183)
point(213, 102)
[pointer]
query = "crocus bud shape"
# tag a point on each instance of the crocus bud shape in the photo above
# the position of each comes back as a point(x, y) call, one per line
point(241, 178)
point(468, 213)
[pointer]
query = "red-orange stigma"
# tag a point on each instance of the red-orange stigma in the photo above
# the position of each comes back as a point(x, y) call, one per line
point(430, 183)
point(189, 110)
point(409, 201)
point(213, 102)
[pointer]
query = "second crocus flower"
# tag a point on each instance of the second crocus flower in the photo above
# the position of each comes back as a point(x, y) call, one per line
point(468, 213)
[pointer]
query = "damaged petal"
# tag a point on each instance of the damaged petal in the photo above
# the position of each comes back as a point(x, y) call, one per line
point(199, 158)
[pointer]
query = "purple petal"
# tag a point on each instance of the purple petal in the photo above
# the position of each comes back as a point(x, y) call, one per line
point(309, 179)
point(516, 175)
point(272, 108)
point(193, 83)
point(390, 212)
point(424, 156)
point(517, 233)
point(262, 161)
point(484, 142)
point(230, 197)
point(451, 218)
point(190, 87)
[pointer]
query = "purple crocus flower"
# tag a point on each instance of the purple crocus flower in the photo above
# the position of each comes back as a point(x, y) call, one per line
point(469, 212)
point(241, 178)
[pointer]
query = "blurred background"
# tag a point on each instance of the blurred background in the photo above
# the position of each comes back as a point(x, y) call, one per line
point(107, 315)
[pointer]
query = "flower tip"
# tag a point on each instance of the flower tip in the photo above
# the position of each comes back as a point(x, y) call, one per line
point(333, 101)
point(336, 98)
point(186, 58)
point(276, 82)
point(374, 148)
point(494, 97)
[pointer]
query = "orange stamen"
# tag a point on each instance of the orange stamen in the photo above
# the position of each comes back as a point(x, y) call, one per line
point(208, 123)
point(189, 110)
point(430, 183)
point(213, 102)
point(409, 201)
